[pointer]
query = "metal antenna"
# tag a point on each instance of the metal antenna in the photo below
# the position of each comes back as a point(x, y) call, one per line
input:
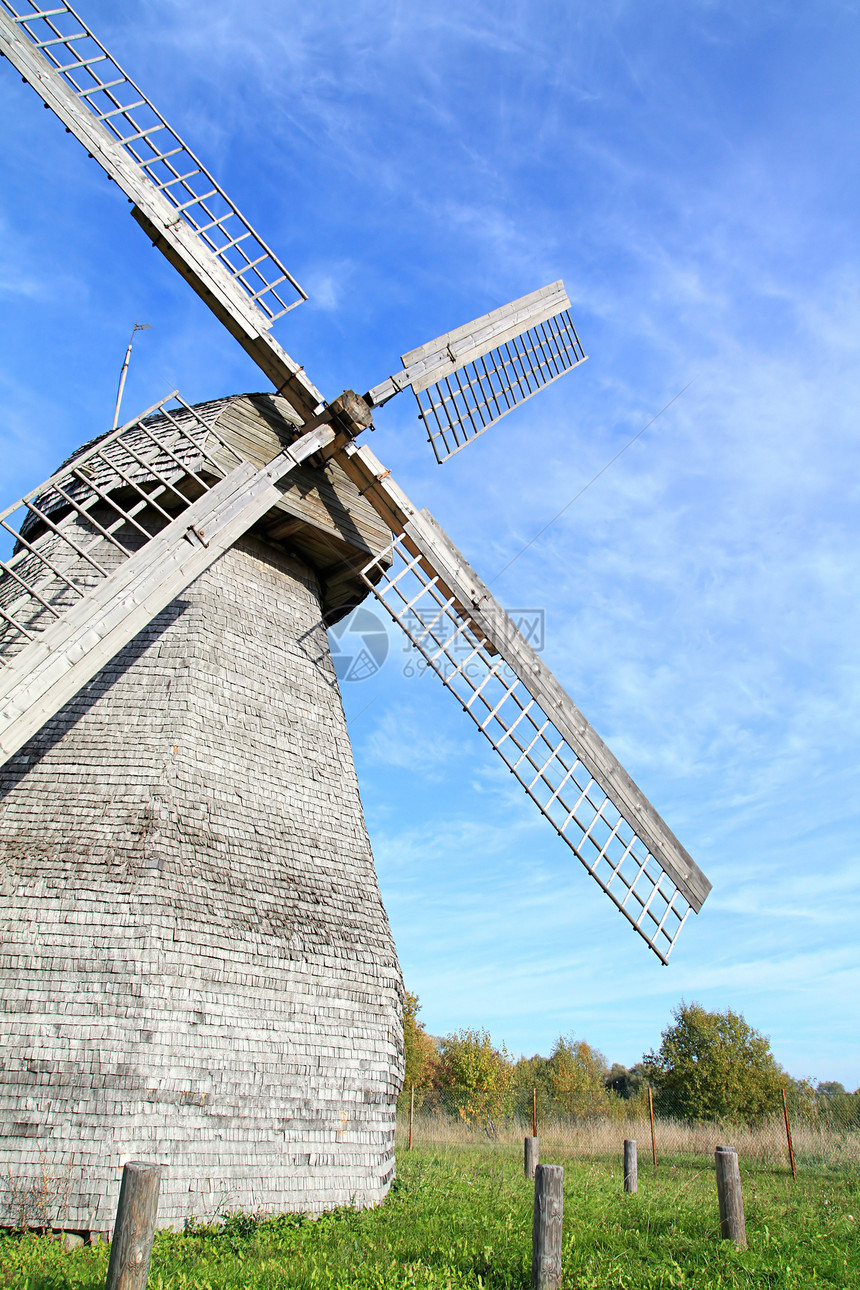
point(137, 327)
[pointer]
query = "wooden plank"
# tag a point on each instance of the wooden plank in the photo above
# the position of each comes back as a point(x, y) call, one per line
point(374, 482)
point(323, 498)
point(548, 300)
point(284, 529)
point(447, 354)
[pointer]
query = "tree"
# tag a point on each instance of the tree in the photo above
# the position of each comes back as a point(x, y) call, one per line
point(831, 1089)
point(626, 1082)
point(476, 1074)
point(836, 1105)
point(422, 1055)
point(532, 1075)
point(715, 1066)
point(578, 1075)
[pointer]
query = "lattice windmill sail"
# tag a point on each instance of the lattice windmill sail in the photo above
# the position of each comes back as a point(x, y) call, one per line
point(174, 761)
point(178, 204)
point(469, 378)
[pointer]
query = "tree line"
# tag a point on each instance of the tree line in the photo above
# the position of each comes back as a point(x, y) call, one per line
point(708, 1066)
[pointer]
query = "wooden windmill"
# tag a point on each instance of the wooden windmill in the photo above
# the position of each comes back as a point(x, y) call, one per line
point(196, 959)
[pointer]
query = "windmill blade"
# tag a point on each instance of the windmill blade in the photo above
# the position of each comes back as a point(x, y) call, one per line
point(108, 541)
point(562, 763)
point(473, 376)
point(176, 201)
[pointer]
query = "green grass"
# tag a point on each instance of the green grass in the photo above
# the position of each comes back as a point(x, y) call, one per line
point(461, 1217)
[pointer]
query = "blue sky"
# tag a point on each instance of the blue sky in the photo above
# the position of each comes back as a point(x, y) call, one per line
point(691, 171)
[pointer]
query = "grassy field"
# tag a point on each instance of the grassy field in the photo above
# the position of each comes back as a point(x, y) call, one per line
point(460, 1216)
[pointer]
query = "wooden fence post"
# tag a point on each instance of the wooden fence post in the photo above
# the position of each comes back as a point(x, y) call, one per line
point(411, 1113)
point(134, 1229)
point(732, 1223)
point(788, 1136)
point(530, 1156)
point(546, 1229)
point(631, 1167)
point(653, 1136)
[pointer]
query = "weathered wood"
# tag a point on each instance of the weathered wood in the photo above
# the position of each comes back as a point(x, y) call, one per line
point(542, 303)
point(631, 1167)
point(440, 357)
point(530, 1156)
point(331, 521)
point(230, 694)
point(486, 611)
point(374, 482)
point(547, 1227)
point(732, 1222)
point(453, 590)
point(52, 669)
point(131, 1247)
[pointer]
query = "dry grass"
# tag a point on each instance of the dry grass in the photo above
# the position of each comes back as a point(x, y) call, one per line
point(814, 1145)
point(40, 1200)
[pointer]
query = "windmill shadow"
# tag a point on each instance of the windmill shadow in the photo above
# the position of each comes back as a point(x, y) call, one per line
point(22, 762)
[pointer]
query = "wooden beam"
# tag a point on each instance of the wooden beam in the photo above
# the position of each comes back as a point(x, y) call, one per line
point(284, 529)
point(50, 670)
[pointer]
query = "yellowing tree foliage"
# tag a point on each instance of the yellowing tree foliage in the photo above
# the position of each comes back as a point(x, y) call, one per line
point(420, 1049)
point(477, 1075)
point(578, 1077)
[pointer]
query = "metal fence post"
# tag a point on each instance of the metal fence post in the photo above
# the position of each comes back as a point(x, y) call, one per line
point(788, 1136)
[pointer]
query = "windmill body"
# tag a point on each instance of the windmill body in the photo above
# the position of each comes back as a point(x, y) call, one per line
point(196, 963)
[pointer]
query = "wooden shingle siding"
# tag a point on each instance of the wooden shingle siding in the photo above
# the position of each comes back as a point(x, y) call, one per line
point(196, 965)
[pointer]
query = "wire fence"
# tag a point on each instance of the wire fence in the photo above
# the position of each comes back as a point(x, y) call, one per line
point(807, 1131)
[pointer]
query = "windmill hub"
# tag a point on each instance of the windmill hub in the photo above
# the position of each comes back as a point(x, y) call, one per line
point(353, 413)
